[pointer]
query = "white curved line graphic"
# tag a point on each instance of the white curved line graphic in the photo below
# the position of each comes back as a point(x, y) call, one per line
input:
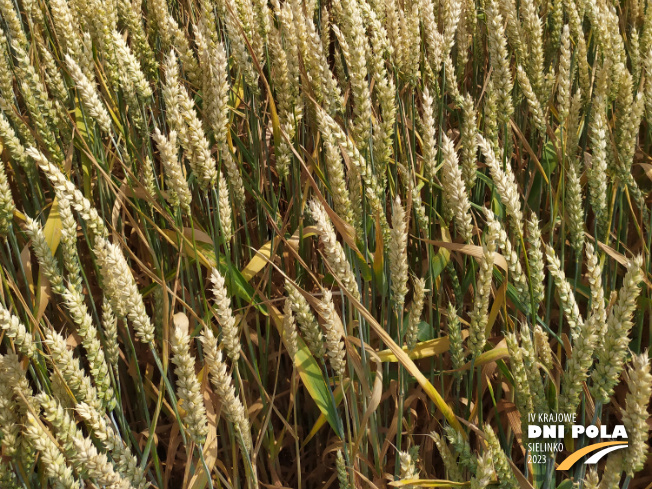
point(597, 456)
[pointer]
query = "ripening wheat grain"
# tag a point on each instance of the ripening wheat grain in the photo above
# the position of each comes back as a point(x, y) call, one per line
point(415, 218)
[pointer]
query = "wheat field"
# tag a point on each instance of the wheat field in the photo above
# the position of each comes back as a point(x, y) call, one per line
point(320, 244)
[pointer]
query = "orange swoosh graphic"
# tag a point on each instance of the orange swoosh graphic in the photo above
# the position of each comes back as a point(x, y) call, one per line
point(574, 457)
